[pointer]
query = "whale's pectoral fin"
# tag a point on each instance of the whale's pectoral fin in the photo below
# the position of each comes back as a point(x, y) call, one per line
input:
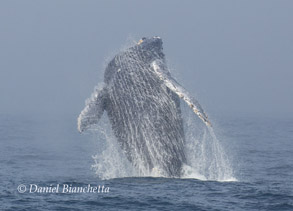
point(162, 72)
point(93, 110)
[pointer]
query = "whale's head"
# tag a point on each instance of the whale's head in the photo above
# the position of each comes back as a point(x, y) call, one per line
point(151, 46)
point(151, 43)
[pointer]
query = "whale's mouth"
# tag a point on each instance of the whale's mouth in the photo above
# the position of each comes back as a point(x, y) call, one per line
point(141, 40)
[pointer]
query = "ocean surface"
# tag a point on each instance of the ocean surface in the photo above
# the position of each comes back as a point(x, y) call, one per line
point(40, 152)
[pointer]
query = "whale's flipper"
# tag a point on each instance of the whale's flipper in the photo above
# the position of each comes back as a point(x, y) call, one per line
point(160, 69)
point(93, 110)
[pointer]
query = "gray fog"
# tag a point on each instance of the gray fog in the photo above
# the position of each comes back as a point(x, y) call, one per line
point(236, 57)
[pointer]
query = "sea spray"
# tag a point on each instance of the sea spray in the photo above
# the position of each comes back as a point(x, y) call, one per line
point(110, 161)
point(206, 158)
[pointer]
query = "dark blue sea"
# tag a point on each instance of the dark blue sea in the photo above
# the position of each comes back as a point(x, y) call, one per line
point(48, 152)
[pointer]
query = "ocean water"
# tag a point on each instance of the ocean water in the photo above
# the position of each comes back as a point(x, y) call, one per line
point(41, 152)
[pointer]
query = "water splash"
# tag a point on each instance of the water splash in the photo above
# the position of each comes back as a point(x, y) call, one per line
point(110, 161)
point(206, 158)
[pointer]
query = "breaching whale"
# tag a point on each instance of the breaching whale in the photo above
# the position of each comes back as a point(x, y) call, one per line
point(142, 101)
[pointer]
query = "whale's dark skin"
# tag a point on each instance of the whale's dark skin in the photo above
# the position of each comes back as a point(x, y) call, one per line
point(144, 112)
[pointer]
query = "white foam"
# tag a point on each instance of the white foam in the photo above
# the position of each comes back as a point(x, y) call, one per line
point(205, 154)
point(206, 157)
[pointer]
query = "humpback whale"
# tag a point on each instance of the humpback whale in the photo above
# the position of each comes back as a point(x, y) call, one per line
point(142, 102)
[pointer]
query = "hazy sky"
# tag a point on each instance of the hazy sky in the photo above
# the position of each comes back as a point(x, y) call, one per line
point(235, 56)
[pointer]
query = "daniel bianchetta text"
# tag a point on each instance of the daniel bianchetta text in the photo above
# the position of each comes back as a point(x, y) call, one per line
point(63, 188)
